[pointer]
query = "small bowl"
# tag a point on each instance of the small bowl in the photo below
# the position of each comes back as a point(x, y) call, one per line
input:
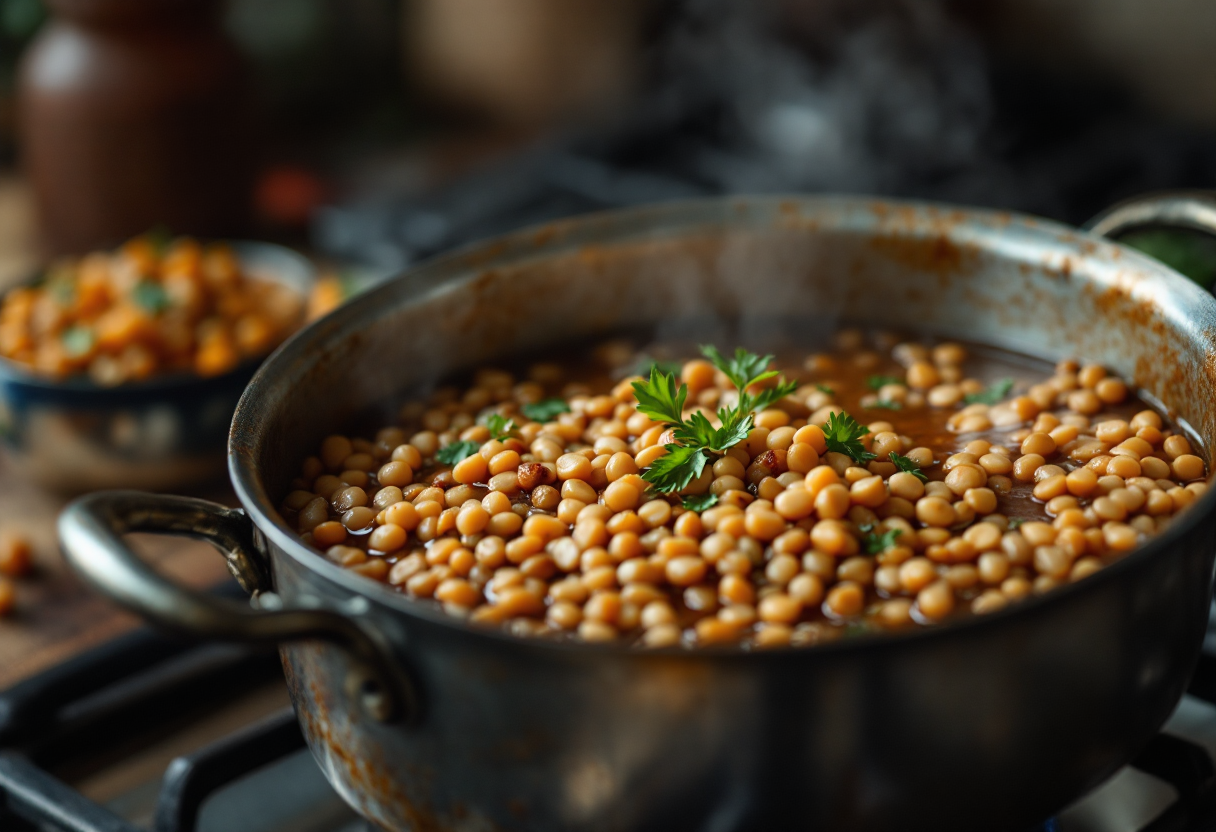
point(166, 432)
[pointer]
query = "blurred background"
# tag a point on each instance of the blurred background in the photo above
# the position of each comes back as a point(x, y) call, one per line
point(376, 132)
point(369, 134)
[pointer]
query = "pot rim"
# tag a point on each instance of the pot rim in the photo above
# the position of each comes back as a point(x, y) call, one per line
point(457, 268)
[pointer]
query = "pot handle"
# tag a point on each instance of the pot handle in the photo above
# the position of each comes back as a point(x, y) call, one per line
point(90, 533)
point(1194, 210)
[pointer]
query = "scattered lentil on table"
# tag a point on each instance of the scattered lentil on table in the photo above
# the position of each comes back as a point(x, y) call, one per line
point(146, 309)
point(977, 495)
point(16, 555)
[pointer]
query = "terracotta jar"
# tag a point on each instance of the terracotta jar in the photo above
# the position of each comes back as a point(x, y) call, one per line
point(135, 114)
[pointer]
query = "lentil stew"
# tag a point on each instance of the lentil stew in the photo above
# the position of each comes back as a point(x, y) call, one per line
point(524, 501)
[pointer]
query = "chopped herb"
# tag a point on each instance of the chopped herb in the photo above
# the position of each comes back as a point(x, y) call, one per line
point(883, 404)
point(994, 394)
point(1014, 522)
point(546, 410)
point(702, 502)
point(500, 426)
point(874, 543)
point(78, 340)
point(907, 466)
point(823, 388)
point(662, 399)
point(843, 435)
point(456, 452)
point(151, 297)
point(879, 382)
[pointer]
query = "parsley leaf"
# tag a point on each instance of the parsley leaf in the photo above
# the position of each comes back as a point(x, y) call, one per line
point(660, 398)
point(456, 452)
point(883, 404)
point(843, 435)
point(1014, 522)
point(500, 426)
point(908, 466)
point(702, 502)
point(879, 382)
point(770, 395)
point(823, 388)
point(546, 410)
point(744, 369)
point(994, 394)
point(675, 469)
point(736, 424)
point(875, 543)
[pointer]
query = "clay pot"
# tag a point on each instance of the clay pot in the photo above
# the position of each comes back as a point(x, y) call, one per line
point(136, 114)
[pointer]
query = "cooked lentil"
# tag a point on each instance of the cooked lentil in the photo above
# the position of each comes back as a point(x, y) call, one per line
point(1006, 490)
point(16, 555)
point(145, 310)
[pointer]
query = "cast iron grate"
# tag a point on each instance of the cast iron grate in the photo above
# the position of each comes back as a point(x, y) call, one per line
point(146, 682)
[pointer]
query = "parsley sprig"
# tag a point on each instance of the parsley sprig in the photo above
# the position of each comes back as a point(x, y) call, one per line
point(905, 464)
point(662, 399)
point(843, 435)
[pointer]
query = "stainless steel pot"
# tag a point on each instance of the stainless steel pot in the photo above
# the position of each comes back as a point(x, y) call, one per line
point(424, 723)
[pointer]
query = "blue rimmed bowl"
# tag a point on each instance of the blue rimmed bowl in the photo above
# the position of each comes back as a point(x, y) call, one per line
point(75, 435)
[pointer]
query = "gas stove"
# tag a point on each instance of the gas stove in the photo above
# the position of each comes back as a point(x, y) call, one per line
point(150, 734)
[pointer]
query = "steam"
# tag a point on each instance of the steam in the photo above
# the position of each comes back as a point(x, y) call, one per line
point(887, 94)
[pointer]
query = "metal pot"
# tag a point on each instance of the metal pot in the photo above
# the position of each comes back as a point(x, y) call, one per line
point(423, 722)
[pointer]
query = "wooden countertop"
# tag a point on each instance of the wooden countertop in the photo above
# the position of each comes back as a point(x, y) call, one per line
point(56, 616)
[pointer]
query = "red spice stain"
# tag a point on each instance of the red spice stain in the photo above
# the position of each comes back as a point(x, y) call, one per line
point(375, 783)
point(937, 254)
point(544, 235)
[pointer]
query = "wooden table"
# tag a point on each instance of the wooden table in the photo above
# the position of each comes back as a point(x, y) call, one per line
point(57, 616)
